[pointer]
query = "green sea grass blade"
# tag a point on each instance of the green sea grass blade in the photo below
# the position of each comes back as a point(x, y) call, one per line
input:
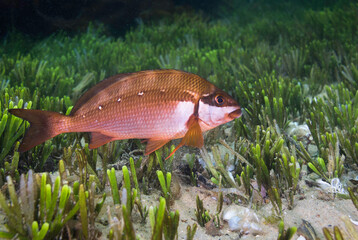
point(169, 180)
point(322, 164)
point(190, 231)
point(3, 123)
point(72, 213)
point(290, 232)
point(35, 229)
point(134, 174)
point(127, 185)
point(128, 224)
point(152, 217)
point(310, 165)
point(42, 197)
point(158, 154)
point(54, 198)
point(162, 182)
point(337, 233)
point(158, 228)
point(354, 198)
point(65, 193)
point(114, 187)
point(327, 234)
point(44, 229)
point(48, 200)
point(83, 211)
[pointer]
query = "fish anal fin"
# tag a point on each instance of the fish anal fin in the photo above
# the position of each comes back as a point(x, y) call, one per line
point(193, 137)
point(99, 139)
point(154, 144)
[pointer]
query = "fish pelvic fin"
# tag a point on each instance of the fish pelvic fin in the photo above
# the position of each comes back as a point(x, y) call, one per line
point(99, 139)
point(44, 125)
point(193, 137)
point(153, 145)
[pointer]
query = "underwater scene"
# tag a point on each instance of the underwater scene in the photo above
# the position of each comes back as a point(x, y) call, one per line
point(169, 119)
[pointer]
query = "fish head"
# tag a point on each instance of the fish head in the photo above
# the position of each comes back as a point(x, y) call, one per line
point(217, 108)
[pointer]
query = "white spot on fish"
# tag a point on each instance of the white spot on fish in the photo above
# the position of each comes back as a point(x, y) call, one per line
point(162, 90)
point(140, 93)
point(192, 93)
point(119, 99)
point(83, 116)
point(100, 107)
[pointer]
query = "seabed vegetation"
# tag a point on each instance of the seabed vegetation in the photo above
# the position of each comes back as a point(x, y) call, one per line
point(293, 67)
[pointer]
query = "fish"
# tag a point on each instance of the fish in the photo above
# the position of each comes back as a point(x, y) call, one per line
point(156, 106)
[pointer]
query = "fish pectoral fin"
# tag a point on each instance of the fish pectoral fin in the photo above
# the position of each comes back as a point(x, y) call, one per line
point(99, 139)
point(153, 145)
point(193, 137)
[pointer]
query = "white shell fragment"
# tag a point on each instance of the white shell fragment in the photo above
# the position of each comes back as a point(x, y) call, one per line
point(300, 131)
point(335, 186)
point(242, 219)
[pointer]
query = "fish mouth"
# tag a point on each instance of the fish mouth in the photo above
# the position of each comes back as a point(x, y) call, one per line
point(235, 114)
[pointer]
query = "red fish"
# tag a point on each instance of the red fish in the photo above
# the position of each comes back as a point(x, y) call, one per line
point(156, 105)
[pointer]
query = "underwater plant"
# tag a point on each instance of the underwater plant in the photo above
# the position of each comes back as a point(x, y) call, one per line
point(190, 231)
point(39, 210)
point(220, 175)
point(202, 215)
point(121, 224)
point(114, 186)
point(291, 170)
point(285, 234)
point(348, 232)
point(353, 197)
point(11, 127)
point(165, 184)
point(270, 100)
point(163, 223)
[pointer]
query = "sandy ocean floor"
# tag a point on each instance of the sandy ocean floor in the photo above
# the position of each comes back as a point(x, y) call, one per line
point(320, 209)
point(312, 204)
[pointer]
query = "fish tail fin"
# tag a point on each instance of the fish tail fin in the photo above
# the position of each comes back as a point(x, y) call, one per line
point(44, 125)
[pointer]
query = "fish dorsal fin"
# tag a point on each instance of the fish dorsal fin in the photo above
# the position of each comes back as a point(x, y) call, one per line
point(97, 89)
point(99, 139)
point(153, 145)
point(193, 137)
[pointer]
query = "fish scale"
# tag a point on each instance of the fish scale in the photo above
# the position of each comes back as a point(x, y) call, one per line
point(157, 105)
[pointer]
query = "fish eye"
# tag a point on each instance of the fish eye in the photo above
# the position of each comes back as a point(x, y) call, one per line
point(219, 100)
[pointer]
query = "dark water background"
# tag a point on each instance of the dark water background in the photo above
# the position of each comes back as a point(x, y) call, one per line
point(41, 18)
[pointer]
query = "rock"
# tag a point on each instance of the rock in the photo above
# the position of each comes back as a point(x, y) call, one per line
point(312, 150)
point(242, 219)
